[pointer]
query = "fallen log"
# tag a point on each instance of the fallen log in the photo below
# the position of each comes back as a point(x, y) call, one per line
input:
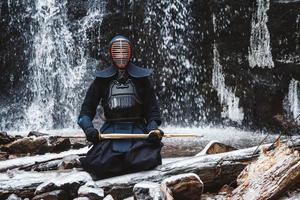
point(171, 148)
point(269, 176)
point(214, 170)
point(26, 162)
point(24, 184)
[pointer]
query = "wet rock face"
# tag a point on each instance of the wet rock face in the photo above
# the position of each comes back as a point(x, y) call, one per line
point(13, 47)
point(77, 9)
point(177, 41)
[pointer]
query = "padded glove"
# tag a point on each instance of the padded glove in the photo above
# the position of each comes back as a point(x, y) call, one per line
point(155, 136)
point(92, 135)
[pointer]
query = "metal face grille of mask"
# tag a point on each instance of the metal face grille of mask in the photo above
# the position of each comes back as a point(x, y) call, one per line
point(121, 53)
point(122, 95)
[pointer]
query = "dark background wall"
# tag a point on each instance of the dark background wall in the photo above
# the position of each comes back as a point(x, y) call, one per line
point(185, 90)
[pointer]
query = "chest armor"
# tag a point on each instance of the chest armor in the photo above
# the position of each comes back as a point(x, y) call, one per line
point(123, 102)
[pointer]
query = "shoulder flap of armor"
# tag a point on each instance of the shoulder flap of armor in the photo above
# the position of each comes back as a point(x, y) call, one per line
point(138, 72)
point(106, 73)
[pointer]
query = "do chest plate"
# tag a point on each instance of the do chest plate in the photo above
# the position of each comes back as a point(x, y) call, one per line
point(122, 95)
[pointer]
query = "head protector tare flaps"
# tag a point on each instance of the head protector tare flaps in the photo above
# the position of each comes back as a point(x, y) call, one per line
point(120, 51)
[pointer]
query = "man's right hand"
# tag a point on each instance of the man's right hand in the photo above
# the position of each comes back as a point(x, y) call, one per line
point(92, 135)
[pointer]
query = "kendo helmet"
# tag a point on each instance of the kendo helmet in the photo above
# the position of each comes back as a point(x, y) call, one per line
point(120, 49)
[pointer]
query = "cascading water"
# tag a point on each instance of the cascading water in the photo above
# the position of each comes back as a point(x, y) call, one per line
point(227, 98)
point(53, 75)
point(294, 99)
point(58, 66)
point(260, 50)
point(179, 73)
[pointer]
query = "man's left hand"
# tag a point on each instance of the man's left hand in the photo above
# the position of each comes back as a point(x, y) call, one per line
point(155, 135)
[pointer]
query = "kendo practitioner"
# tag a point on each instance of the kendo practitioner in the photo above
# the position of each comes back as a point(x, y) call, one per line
point(129, 104)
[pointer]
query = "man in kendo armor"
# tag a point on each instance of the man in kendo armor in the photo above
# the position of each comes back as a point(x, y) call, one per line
point(129, 105)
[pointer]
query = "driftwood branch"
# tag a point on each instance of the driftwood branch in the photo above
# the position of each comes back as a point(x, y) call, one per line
point(268, 177)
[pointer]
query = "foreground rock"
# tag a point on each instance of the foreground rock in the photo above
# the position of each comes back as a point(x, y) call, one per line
point(214, 170)
point(91, 191)
point(37, 145)
point(53, 195)
point(68, 182)
point(69, 162)
point(268, 177)
point(39, 162)
point(5, 138)
point(147, 191)
point(108, 197)
point(214, 147)
point(183, 186)
point(13, 197)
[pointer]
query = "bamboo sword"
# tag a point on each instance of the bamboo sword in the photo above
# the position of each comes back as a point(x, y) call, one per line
point(112, 136)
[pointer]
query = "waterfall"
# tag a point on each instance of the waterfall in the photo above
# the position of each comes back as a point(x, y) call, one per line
point(58, 67)
point(227, 98)
point(260, 50)
point(179, 73)
point(52, 71)
point(294, 99)
point(298, 34)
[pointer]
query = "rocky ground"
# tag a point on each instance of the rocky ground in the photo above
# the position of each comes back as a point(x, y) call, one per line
point(42, 167)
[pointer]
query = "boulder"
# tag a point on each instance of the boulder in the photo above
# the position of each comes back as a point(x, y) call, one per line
point(214, 147)
point(5, 138)
point(37, 145)
point(53, 195)
point(68, 182)
point(4, 155)
point(147, 191)
point(36, 134)
point(81, 198)
point(59, 144)
point(27, 145)
point(129, 198)
point(108, 197)
point(91, 191)
point(78, 143)
point(183, 186)
point(69, 162)
point(13, 197)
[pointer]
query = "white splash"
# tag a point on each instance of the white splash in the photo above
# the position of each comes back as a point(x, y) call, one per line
point(260, 50)
point(227, 97)
point(294, 99)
